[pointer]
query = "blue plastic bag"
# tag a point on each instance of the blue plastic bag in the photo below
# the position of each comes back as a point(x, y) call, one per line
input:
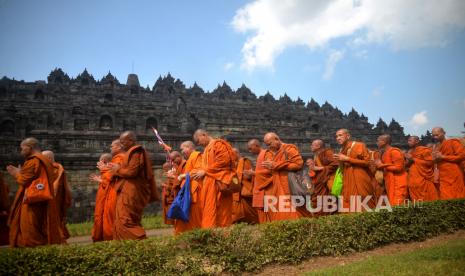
point(181, 206)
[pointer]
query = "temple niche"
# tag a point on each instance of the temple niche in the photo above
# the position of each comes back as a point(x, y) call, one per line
point(81, 124)
point(7, 127)
point(106, 122)
point(315, 128)
point(151, 122)
point(39, 95)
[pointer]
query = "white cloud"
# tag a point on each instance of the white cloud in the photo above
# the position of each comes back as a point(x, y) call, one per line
point(419, 119)
point(333, 59)
point(274, 25)
point(228, 66)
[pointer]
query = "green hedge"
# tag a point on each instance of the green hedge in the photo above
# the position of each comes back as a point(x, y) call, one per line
point(241, 248)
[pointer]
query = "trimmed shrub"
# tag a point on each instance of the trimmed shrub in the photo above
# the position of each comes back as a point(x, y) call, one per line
point(241, 247)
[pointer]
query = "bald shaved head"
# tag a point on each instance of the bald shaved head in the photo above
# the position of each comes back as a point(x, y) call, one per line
point(116, 147)
point(29, 146)
point(344, 130)
point(271, 135)
point(200, 132)
point(49, 155)
point(175, 154)
point(31, 142)
point(387, 138)
point(188, 144)
point(272, 141)
point(187, 147)
point(254, 142)
point(438, 129)
point(342, 136)
point(176, 157)
point(383, 141)
point(413, 141)
point(128, 139)
point(201, 137)
point(129, 135)
point(317, 145)
point(438, 134)
point(106, 157)
point(254, 146)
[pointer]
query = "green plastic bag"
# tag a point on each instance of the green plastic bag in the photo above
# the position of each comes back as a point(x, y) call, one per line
point(336, 190)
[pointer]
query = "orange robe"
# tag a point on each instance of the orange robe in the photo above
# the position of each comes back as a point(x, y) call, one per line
point(242, 201)
point(357, 180)
point(451, 176)
point(109, 207)
point(100, 198)
point(135, 188)
point(420, 176)
point(322, 180)
point(193, 163)
point(169, 192)
point(4, 211)
point(167, 199)
point(395, 176)
point(63, 196)
point(218, 164)
point(38, 223)
point(262, 178)
point(286, 159)
point(377, 176)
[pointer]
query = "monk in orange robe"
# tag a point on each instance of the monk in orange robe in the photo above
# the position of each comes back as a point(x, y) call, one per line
point(395, 177)
point(357, 181)
point(322, 169)
point(448, 154)
point(377, 175)
point(4, 211)
point(171, 186)
point(37, 223)
point(262, 178)
point(135, 188)
point(193, 164)
point(167, 193)
point(219, 180)
point(242, 200)
point(62, 192)
point(105, 202)
point(109, 209)
point(420, 173)
point(285, 158)
point(104, 180)
point(178, 164)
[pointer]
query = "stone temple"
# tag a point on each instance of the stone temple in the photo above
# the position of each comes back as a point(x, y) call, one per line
point(77, 118)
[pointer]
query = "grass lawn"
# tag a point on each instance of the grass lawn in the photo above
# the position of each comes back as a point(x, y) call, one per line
point(445, 259)
point(85, 228)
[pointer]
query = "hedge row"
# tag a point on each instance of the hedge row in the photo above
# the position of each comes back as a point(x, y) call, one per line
point(241, 248)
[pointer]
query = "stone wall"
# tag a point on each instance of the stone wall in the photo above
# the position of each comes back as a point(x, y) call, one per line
point(77, 118)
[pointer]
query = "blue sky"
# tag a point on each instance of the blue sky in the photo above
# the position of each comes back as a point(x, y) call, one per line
point(389, 59)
